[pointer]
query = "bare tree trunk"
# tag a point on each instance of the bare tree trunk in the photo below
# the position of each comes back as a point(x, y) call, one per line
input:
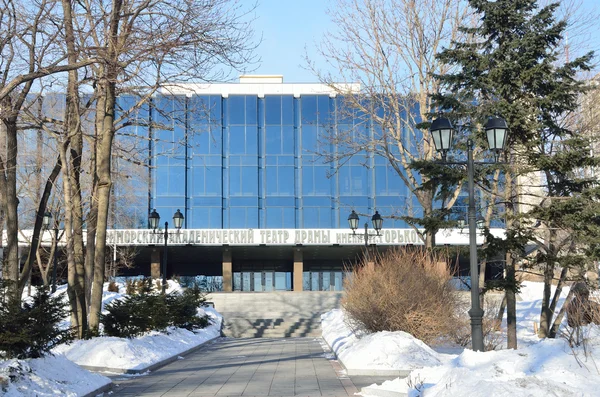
point(546, 313)
point(107, 85)
point(511, 309)
point(74, 134)
point(510, 264)
point(8, 184)
point(90, 252)
point(103, 198)
point(559, 317)
point(37, 228)
point(74, 287)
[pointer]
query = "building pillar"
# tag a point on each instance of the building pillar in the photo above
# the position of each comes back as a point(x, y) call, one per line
point(155, 263)
point(227, 271)
point(298, 269)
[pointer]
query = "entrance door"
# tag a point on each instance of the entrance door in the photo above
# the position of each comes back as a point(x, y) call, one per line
point(264, 281)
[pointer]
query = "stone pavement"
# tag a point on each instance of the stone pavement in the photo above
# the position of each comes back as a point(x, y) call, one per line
point(248, 367)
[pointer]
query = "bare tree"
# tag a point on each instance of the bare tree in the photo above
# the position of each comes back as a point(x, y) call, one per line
point(142, 44)
point(389, 47)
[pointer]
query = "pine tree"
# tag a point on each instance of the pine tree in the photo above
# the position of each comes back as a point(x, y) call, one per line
point(511, 67)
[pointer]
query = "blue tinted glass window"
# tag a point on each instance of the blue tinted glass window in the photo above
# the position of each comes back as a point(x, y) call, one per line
point(237, 217)
point(287, 110)
point(235, 181)
point(323, 110)
point(273, 109)
point(288, 140)
point(250, 181)
point(286, 180)
point(251, 109)
point(353, 180)
point(252, 140)
point(273, 140)
point(309, 138)
point(309, 109)
point(237, 140)
point(237, 109)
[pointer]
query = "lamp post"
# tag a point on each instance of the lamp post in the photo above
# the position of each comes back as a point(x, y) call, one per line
point(154, 220)
point(496, 130)
point(377, 224)
point(47, 221)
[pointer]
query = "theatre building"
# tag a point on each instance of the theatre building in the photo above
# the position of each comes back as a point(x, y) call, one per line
point(244, 165)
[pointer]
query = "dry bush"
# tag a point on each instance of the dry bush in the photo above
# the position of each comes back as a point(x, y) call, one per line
point(492, 327)
point(583, 314)
point(407, 290)
point(113, 287)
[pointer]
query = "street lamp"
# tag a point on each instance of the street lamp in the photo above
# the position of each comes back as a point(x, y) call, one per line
point(154, 219)
point(377, 224)
point(496, 131)
point(46, 222)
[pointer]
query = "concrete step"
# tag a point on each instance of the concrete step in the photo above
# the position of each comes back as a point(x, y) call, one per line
point(276, 314)
point(239, 327)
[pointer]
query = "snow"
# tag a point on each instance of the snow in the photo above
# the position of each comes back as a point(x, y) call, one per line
point(538, 368)
point(378, 351)
point(48, 376)
point(60, 374)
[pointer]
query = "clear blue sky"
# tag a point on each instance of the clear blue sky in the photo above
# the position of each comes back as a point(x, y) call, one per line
point(290, 26)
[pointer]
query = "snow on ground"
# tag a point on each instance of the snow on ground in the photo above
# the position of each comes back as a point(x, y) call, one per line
point(48, 376)
point(59, 375)
point(539, 368)
point(377, 351)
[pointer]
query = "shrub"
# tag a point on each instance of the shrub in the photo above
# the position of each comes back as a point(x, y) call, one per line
point(113, 287)
point(149, 310)
point(491, 326)
point(129, 287)
point(407, 290)
point(31, 330)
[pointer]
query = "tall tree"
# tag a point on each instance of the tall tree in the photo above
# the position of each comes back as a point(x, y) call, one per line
point(142, 45)
point(28, 45)
point(389, 47)
point(513, 68)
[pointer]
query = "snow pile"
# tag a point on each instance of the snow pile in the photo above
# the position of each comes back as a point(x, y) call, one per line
point(539, 368)
point(60, 374)
point(48, 376)
point(378, 351)
point(141, 352)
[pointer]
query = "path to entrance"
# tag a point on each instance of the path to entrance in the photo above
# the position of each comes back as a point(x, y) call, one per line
point(248, 367)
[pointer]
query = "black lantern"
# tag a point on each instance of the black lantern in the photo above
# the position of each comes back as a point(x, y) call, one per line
point(442, 131)
point(377, 221)
point(353, 220)
point(496, 132)
point(47, 220)
point(178, 219)
point(154, 218)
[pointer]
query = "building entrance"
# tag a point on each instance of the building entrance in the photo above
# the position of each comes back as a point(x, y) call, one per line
point(262, 281)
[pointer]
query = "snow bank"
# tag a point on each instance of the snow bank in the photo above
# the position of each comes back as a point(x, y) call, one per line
point(539, 368)
point(48, 376)
point(373, 352)
point(141, 352)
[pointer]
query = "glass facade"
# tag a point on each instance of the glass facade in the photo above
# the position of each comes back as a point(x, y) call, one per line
point(245, 161)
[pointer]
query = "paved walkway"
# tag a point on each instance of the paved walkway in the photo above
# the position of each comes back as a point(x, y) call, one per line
point(248, 367)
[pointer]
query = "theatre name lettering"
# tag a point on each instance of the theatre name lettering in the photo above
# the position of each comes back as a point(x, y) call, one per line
point(260, 237)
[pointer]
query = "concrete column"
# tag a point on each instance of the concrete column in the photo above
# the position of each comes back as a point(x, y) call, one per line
point(298, 269)
point(155, 263)
point(227, 272)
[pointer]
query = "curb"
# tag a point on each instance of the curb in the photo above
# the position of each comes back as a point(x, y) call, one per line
point(99, 390)
point(151, 367)
point(371, 391)
point(402, 373)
